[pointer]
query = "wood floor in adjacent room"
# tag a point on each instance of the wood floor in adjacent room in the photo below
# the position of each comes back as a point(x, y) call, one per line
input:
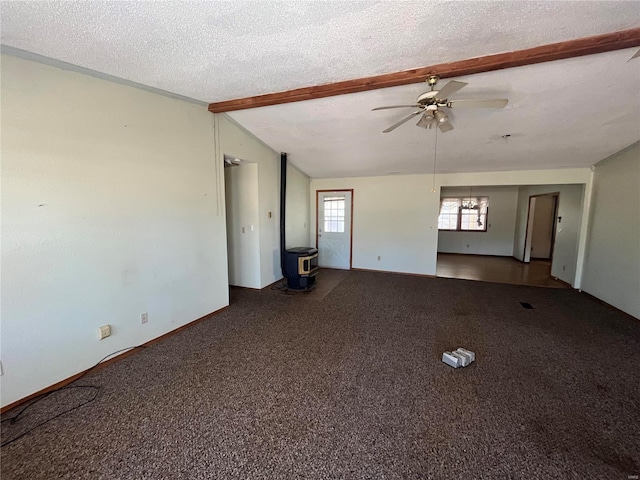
point(497, 270)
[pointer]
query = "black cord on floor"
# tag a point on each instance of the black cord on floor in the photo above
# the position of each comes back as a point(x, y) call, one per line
point(95, 388)
point(282, 287)
point(95, 395)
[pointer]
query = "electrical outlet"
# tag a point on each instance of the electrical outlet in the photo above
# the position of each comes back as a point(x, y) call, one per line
point(144, 318)
point(104, 331)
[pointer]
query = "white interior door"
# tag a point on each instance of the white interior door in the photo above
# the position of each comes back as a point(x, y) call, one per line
point(334, 229)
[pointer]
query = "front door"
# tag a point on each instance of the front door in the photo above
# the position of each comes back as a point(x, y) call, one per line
point(334, 229)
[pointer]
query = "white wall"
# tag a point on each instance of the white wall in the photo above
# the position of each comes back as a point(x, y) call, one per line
point(396, 217)
point(297, 208)
point(235, 141)
point(612, 261)
point(111, 207)
point(243, 235)
point(498, 239)
point(570, 208)
point(392, 217)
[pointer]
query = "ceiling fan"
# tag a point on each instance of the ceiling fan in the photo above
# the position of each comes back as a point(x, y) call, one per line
point(430, 103)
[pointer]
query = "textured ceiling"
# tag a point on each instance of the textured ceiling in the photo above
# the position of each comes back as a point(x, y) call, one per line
point(219, 50)
point(567, 113)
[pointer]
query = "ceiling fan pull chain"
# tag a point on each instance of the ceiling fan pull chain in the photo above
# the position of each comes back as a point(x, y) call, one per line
point(435, 160)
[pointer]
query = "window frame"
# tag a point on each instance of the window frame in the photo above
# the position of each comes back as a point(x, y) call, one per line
point(337, 219)
point(459, 214)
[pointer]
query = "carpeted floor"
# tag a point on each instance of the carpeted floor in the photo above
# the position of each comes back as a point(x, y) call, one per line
point(352, 387)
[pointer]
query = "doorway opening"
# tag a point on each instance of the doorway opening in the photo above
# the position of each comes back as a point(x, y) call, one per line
point(334, 227)
point(541, 227)
point(528, 236)
point(242, 214)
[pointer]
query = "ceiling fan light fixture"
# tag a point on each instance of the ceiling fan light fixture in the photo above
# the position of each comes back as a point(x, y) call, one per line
point(441, 117)
point(426, 120)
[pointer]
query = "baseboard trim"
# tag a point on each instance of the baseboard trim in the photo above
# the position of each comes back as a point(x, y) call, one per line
point(476, 254)
point(256, 289)
point(272, 284)
point(73, 378)
point(608, 305)
point(396, 273)
point(564, 283)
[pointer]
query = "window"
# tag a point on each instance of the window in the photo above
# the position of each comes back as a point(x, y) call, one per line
point(334, 214)
point(463, 214)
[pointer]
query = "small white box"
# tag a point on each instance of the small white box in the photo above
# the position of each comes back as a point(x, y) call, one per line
point(464, 358)
point(451, 360)
point(471, 354)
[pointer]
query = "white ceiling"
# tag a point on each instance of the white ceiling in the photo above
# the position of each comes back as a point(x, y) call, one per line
point(570, 113)
point(567, 113)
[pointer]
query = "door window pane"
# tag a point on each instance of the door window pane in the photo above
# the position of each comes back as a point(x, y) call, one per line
point(334, 213)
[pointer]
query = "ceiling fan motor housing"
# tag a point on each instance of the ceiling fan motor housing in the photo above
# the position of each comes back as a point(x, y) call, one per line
point(428, 98)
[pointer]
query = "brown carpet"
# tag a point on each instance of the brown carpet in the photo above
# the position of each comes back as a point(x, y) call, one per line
point(352, 387)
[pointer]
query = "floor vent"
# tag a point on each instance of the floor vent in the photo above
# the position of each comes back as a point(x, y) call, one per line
point(526, 305)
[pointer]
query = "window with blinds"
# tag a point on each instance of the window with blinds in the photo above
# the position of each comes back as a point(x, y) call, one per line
point(463, 214)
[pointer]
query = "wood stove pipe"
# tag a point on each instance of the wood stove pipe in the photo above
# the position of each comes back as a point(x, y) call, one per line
point(283, 199)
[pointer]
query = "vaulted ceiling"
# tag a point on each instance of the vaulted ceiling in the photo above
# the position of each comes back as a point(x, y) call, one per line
point(564, 113)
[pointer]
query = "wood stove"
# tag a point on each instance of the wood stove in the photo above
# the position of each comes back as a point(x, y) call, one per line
point(301, 267)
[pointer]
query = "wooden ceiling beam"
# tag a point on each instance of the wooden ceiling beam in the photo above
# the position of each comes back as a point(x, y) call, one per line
point(545, 53)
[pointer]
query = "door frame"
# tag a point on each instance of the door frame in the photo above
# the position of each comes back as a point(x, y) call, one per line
point(318, 192)
point(556, 196)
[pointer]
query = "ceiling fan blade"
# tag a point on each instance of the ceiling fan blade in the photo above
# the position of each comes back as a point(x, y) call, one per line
point(405, 119)
point(479, 103)
point(450, 88)
point(393, 106)
point(445, 127)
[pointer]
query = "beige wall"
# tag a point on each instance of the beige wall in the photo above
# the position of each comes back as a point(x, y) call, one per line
point(396, 217)
point(297, 214)
point(392, 219)
point(112, 205)
point(239, 143)
point(498, 239)
point(568, 233)
point(612, 260)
